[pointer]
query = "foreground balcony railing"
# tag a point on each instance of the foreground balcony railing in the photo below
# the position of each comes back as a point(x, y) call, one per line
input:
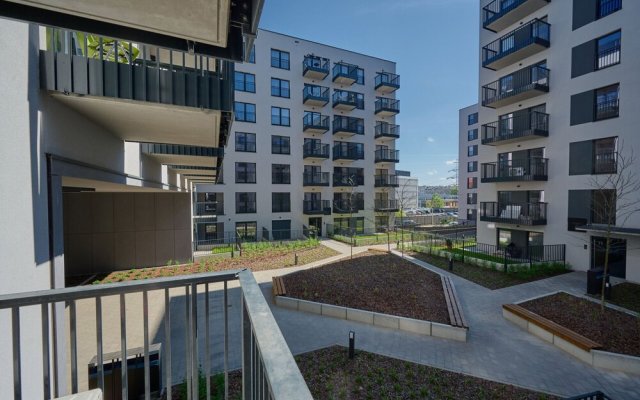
point(208, 208)
point(315, 123)
point(514, 213)
point(386, 205)
point(522, 42)
point(315, 179)
point(342, 180)
point(268, 367)
point(387, 155)
point(521, 85)
point(607, 109)
point(319, 151)
point(348, 152)
point(605, 163)
point(316, 207)
point(500, 14)
point(519, 127)
point(346, 100)
point(386, 181)
point(314, 67)
point(386, 82)
point(347, 126)
point(387, 130)
point(533, 169)
point(386, 107)
point(313, 95)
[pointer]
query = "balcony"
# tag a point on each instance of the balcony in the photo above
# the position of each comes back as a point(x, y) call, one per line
point(521, 85)
point(386, 82)
point(197, 162)
point(315, 179)
point(348, 152)
point(605, 163)
point(524, 41)
point(346, 206)
point(387, 156)
point(530, 125)
point(314, 67)
point(500, 14)
point(386, 205)
point(316, 207)
point(315, 151)
point(387, 107)
point(315, 123)
point(347, 180)
point(347, 126)
point(345, 74)
point(386, 181)
point(387, 130)
point(607, 109)
point(315, 96)
point(208, 208)
point(345, 100)
point(533, 169)
point(168, 313)
point(514, 213)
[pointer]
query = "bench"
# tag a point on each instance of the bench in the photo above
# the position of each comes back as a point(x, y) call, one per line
point(278, 286)
point(456, 316)
point(558, 330)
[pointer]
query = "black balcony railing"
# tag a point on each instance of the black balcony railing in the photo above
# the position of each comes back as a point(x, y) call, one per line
point(385, 129)
point(346, 73)
point(348, 125)
point(386, 105)
point(347, 98)
point(605, 163)
point(208, 208)
point(533, 169)
point(386, 205)
point(315, 207)
point(313, 150)
point(315, 179)
point(497, 9)
point(350, 152)
point(514, 213)
point(515, 85)
point(609, 55)
point(386, 181)
point(387, 80)
point(387, 155)
point(535, 32)
point(347, 180)
point(607, 7)
point(345, 205)
point(315, 121)
point(519, 126)
point(607, 109)
point(315, 94)
point(313, 64)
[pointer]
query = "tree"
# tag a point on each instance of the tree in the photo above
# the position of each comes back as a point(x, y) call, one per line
point(436, 201)
point(405, 197)
point(454, 190)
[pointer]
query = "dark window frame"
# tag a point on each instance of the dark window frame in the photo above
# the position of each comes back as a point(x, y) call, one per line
point(245, 147)
point(280, 92)
point(243, 169)
point(244, 226)
point(280, 145)
point(245, 206)
point(241, 85)
point(244, 112)
point(472, 151)
point(277, 170)
point(616, 54)
point(277, 60)
point(472, 119)
point(472, 134)
point(474, 168)
point(612, 103)
point(282, 200)
point(280, 119)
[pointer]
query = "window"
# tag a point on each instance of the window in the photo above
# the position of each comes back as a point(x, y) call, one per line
point(605, 156)
point(279, 87)
point(246, 203)
point(471, 214)
point(245, 172)
point(472, 119)
point(472, 150)
point(252, 54)
point(246, 142)
point(245, 112)
point(472, 166)
point(608, 50)
point(280, 116)
point(280, 202)
point(360, 76)
point(603, 206)
point(245, 82)
point(472, 183)
point(606, 7)
point(280, 174)
point(348, 225)
point(279, 59)
point(472, 134)
point(280, 145)
point(247, 231)
point(472, 198)
point(607, 102)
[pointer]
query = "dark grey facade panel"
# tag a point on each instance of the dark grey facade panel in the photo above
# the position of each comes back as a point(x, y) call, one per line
point(63, 74)
point(581, 158)
point(584, 12)
point(582, 108)
point(124, 81)
point(96, 77)
point(583, 59)
point(80, 75)
point(110, 79)
point(579, 205)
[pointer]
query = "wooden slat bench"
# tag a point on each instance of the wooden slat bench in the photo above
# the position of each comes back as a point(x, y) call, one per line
point(456, 316)
point(570, 336)
point(278, 286)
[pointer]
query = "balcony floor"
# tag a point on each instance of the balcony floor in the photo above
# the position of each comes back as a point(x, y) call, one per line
point(515, 15)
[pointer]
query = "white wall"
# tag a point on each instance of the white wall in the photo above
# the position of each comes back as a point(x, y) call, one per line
point(463, 159)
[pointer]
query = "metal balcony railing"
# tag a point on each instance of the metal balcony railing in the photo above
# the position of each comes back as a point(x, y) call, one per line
point(347, 98)
point(348, 125)
point(607, 109)
point(532, 169)
point(386, 181)
point(345, 205)
point(387, 155)
point(385, 129)
point(520, 85)
point(268, 367)
point(340, 179)
point(345, 73)
point(348, 152)
point(315, 179)
point(315, 207)
point(314, 65)
point(315, 121)
point(608, 56)
point(535, 32)
point(387, 80)
point(514, 213)
point(605, 163)
point(386, 105)
point(386, 205)
point(312, 150)
point(208, 208)
point(529, 125)
point(317, 95)
point(493, 12)
point(607, 7)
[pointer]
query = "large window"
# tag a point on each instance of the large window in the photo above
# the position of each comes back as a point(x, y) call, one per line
point(472, 150)
point(280, 174)
point(606, 7)
point(348, 225)
point(472, 166)
point(608, 50)
point(245, 112)
point(279, 59)
point(607, 102)
point(245, 172)
point(472, 198)
point(280, 145)
point(246, 203)
point(245, 82)
point(246, 142)
point(472, 119)
point(280, 116)
point(472, 134)
point(360, 76)
point(603, 206)
point(247, 231)
point(280, 87)
point(472, 183)
point(280, 202)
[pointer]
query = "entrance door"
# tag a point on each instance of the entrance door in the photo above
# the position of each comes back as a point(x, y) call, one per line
point(617, 255)
point(317, 224)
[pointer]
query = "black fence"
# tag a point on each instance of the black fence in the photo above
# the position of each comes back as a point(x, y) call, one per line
point(232, 241)
point(591, 396)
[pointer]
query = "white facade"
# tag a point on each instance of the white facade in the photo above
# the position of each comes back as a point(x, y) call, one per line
point(562, 57)
point(468, 165)
point(407, 192)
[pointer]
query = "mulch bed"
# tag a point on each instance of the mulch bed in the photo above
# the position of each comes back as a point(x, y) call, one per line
point(626, 295)
point(373, 281)
point(616, 331)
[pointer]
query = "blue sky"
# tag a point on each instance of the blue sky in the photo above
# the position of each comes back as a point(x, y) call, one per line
point(435, 46)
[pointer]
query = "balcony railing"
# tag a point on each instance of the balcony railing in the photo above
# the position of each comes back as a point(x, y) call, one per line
point(346, 74)
point(519, 127)
point(386, 82)
point(315, 151)
point(500, 14)
point(349, 152)
point(386, 205)
point(533, 169)
point(607, 109)
point(387, 155)
point(315, 179)
point(608, 56)
point(313, 95)
point(516, 45)
point(387, 130)
point(315, 123)
point(514, 213)
point(386, 181)
point(346, 100)
point(340, 180)
point(348, 126)
point(520, 85)
point(605, 163)
point(387, 107)
point(346, 206)
point(208, 208)
point(267, 364)
point(314, 67)
point(281, 178)
point(246, 207)
point(316, 207)
point(607, 7)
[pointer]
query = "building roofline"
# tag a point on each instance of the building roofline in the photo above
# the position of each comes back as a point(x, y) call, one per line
point(324, 44)
point(469, 106)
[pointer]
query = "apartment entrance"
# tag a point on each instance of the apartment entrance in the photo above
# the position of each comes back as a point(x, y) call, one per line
point(617, 255)
point(317, 224)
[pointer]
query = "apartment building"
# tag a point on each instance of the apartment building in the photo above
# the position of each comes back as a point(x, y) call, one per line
point(559, 100)
point(312, 145)
point(468, 169)
point(407, 192)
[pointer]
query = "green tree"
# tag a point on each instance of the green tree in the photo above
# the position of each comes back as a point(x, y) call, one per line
point(436, 201)
point(453, 191)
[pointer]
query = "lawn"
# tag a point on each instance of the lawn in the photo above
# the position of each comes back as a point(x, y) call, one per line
point(373, 281)
point(369, 240)
point(492, 279)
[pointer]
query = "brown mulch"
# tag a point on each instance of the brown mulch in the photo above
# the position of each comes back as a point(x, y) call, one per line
point(373, 281)
point(616, 331)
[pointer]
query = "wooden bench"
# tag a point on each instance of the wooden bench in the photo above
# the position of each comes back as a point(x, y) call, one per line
point(278, 286)
point(456, 316)
point(570, 336)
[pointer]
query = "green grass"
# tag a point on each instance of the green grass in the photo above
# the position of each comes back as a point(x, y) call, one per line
point(288, 245)
point(370, 240)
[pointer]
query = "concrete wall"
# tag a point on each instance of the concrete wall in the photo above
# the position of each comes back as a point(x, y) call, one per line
point(115, 231)
point(463, 160)
point(407, 193)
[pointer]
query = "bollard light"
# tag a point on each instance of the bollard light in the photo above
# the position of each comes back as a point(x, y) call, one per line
point(352, 343)
point(450, 262)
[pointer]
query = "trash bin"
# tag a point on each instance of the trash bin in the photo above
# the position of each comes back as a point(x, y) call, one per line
point(594, 281)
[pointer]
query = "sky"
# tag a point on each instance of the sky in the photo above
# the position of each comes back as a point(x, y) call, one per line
point(435, 46)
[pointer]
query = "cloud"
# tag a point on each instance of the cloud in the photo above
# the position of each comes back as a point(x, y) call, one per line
point(430, 139)
point(450, 162)
point(432, 172)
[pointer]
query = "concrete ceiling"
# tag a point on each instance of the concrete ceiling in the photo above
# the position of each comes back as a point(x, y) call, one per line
point(103, 186)
point(177, 159)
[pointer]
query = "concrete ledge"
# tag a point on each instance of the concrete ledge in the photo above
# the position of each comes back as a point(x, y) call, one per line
point(309, 306)
point(386, 321)
point(334, 311)
point(572, 349)
point(615, 361)
point(415, 326)
point(287, 302)
point(448, 332)
point(363, 316)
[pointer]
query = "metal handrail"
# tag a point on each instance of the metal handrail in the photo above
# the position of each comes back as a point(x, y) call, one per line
point(387, 154)
point(387, 78)
point(316, 63)
point(348, 151)
point(348, 97)
point(533, 31)
point(525, 169)
point(521, 80)
point(385, 103)
point(312, 119)
point(386, 129)
point(315, 91)
point(515, 127)
point(350, 124)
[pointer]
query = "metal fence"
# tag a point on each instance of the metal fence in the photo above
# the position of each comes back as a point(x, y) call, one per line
point(234, 241)
point(591, 396)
